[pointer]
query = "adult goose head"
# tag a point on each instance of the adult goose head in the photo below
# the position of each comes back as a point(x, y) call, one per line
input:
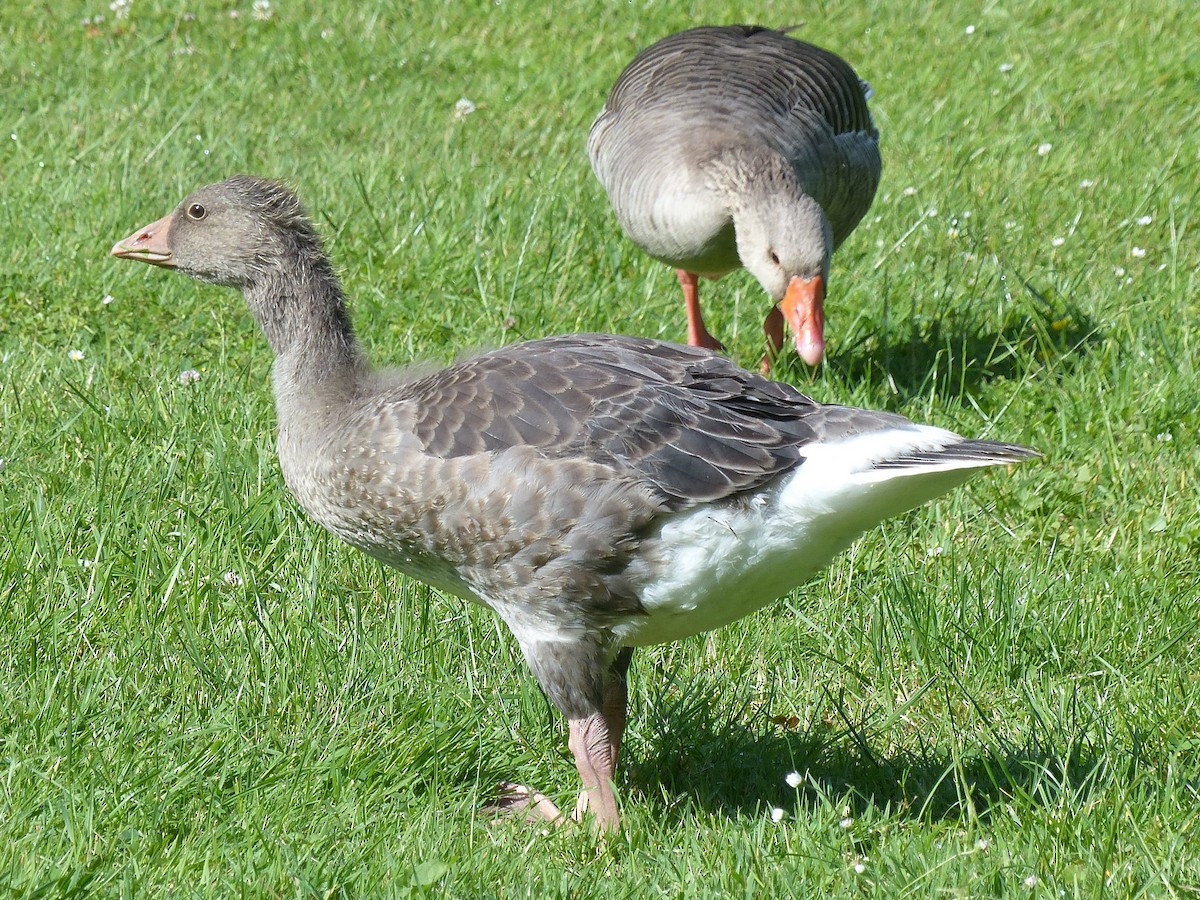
point(599, 493)
point(733, 146)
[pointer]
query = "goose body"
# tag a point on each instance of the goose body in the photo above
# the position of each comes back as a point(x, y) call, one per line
point(729, 146)
point(598, 492)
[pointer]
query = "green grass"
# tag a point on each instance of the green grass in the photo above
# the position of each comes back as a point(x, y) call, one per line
point(998, 688)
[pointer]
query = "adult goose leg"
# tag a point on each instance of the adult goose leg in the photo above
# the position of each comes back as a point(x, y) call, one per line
point(698, 335)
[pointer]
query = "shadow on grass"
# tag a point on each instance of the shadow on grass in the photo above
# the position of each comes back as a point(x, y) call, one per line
point(727, 759)
point(956, 352)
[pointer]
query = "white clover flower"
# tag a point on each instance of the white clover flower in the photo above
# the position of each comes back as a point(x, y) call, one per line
point(107, 299)
point(909, 191)
point(233, 579)
point(1145, 220)
point(1087, 183)
point(983, 843)
point(970, 29)
point(1164, 436)
point(951, 233)
point(75, 355)
point(120, 8)
point(1006, 67)
point(777, 814)
point(935, 551)
point(262, 10)
point(860, 867)
point(793, 779)
point(1044, 148)
point(1139, 252)
point(847, 822)
point(1058, 241)
point(1030, 880)
point(1009, 225)
point(1119, 271)
point(189, 376)
point(463, 108)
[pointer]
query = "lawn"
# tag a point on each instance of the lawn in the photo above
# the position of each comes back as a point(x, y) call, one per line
point(205, 695)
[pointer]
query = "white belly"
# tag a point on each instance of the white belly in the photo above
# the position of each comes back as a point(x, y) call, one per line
point(719, 564)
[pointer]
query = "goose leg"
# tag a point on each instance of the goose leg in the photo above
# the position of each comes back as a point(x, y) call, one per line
point(588, 685)
point(773, 330)
point(698, 335)
point(601, 762)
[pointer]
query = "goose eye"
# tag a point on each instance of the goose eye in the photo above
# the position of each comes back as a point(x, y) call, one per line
point(197, 212)
point(774, 257)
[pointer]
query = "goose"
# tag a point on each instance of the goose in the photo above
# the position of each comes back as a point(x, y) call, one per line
point(723, 147)
point(599, 493)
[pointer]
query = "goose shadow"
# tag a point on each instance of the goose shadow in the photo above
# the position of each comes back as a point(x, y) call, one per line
point(731, 760)
point(955, 351)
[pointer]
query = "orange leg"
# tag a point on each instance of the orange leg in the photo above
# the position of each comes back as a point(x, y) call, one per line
point(773, 330)
point(698, 335)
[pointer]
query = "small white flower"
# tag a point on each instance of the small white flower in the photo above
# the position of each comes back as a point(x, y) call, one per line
point(1119, 271)
point(1006, 67)
point(983, 843)
point(1009, 225)
point(793, 779)
point(1087, 183)
point(1139, 252)
point(935, 551)
point(846, 822)
point(86, 563)
point(931, 212)
point(463, 108)
point(1145, 220)
point(1044, 148)
point(189, 376)
point(909, 191)
point(233, 579)
point(1030, 880)
point(262, 10)
point(1164, 436)
point(107, 299)
point(234, 14)
point(951, 233)
point(970, 29)
point(1058, 241)
point(120, 8)
point(75, 355)
point(777, 814)
point(860, 867)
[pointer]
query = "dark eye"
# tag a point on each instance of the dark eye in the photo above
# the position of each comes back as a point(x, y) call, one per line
point(197, 212)
point(774, 257)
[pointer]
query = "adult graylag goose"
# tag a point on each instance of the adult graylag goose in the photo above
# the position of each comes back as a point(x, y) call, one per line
point(723, 147)
point(599, 493)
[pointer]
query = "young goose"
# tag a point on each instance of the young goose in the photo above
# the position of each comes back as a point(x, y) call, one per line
point(723, 147)
point(598, 492)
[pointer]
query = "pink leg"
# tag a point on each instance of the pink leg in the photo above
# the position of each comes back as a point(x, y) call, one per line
point(773, 330)
point(698, 335)
point(616, 700)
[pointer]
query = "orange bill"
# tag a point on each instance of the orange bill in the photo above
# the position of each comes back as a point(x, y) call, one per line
point(803, 306)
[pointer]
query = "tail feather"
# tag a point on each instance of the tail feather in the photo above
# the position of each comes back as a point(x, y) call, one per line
point(962, 454)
